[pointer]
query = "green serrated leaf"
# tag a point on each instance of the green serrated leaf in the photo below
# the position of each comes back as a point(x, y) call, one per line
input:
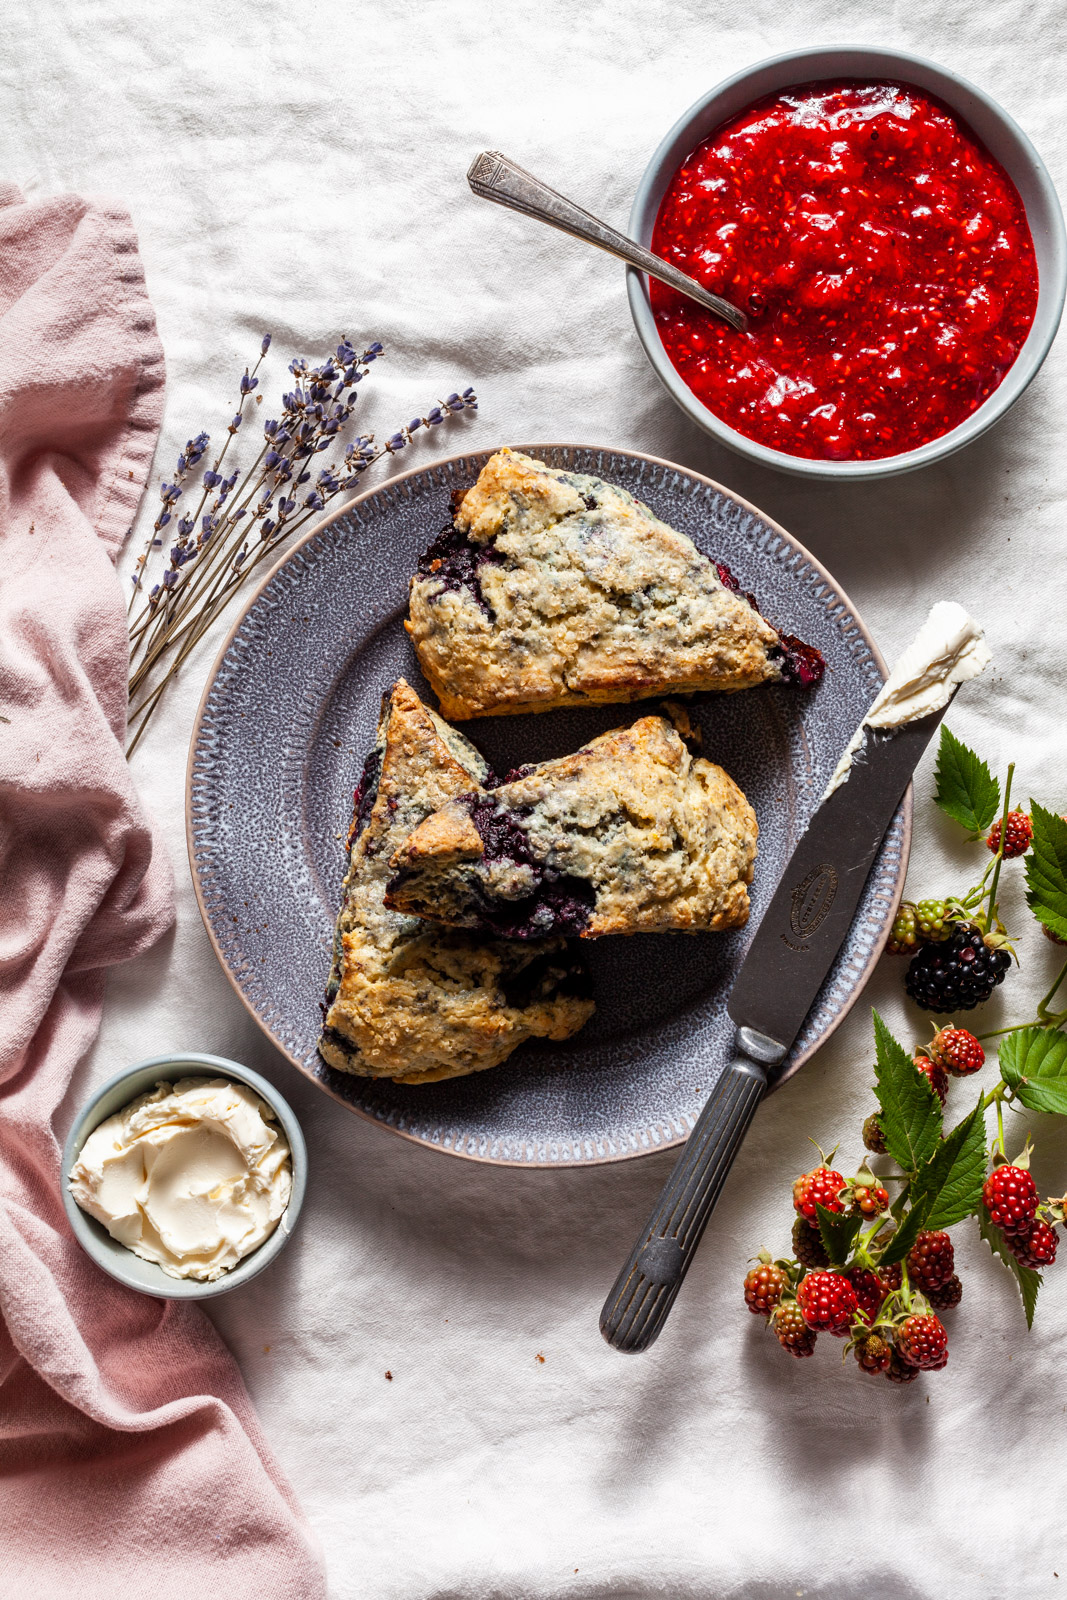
point(910, 1114)
point(905, 1236)
point(966, 789)
point(1046, 870)
point(838, 1233)
point(1033, 1061)
point(1028, 1280)
point(949, 1187)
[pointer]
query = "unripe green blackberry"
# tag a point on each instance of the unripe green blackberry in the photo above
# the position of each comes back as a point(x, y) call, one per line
point(932, 919)
point(904, 934)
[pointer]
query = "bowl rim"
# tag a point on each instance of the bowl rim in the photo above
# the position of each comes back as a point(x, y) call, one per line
point(91, 1234)
point(1052, 286)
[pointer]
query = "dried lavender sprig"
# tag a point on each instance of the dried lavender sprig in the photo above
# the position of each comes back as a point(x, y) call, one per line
point(211, 479)
point(345, 365)
point(169, 493)
point(194, 450)
point(354, 368)
point(240, 573)
point(313, 433)
point(361, 459)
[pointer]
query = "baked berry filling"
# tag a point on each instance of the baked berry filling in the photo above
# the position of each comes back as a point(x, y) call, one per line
point(558, 904)
point(365, 794)
point(802, 666)
point(455, 562)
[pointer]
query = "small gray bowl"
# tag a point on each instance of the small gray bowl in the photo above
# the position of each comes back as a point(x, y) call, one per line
point(1002, 137)
point(121, 1263)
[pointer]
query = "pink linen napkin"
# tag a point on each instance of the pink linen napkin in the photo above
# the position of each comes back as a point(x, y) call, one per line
point(131, 1456)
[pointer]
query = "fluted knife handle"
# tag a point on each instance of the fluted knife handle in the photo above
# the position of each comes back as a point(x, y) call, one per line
point(496, 177)
point(647, 1286)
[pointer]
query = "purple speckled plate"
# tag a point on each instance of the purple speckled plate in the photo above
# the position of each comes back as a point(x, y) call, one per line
point(291, 709)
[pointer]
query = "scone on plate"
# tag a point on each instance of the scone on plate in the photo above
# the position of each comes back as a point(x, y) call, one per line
point(631, 834)
point(411, 1001)
point(556, 589)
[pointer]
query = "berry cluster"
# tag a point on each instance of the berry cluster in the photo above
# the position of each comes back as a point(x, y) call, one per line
point(870, 1272)
point(957, 946)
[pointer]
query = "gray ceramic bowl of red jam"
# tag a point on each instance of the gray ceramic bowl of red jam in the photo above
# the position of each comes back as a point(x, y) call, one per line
point(892, 235)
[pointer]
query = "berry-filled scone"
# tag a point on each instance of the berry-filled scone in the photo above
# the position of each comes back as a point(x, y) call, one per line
point(557, 589)
point(414, 1002)
point(631, 834)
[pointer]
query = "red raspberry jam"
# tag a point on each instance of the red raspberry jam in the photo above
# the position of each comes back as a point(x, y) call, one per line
point(882, 256)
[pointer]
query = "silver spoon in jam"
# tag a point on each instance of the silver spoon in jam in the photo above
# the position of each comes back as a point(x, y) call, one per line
point(494, 177)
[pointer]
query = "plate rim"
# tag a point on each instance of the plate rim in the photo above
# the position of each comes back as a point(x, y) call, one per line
point(654, 1146)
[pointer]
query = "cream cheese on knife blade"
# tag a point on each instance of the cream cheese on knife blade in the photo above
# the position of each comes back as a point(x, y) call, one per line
point(948, 650)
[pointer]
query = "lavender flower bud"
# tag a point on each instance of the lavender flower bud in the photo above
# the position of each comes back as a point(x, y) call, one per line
point(211, 479)
point(248, 384)
point(265, 346)
point(236, 423)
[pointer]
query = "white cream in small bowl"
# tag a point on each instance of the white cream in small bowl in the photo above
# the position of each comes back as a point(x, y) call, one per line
point(194, 1166)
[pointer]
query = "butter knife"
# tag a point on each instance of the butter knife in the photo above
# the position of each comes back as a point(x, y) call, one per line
point(793, 949)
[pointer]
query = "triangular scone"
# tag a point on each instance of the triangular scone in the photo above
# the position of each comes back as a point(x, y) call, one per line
point(414, 1002)
point(632, 834)
point(557, 589)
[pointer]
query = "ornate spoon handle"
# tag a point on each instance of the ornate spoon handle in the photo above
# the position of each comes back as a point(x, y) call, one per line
point(494, 177)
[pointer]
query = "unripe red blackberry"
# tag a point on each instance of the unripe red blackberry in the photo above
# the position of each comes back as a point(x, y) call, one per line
point(1036, 1249)
point(808, 1247)
point(869, 1289)
point(872, 1135)
point(958, 1051)
point(791, 1331)
point(931, 1260)
point(827, 1302)
point(898, 1371)
point(922, 1342)
point(869, 1199)
point(892, 1276)
point(1011, 1197)
point(1017, 834)
point(935, 1072)
point(764, 1287)
point(821, 1187)
point(873, 1353)
point(948, 1297)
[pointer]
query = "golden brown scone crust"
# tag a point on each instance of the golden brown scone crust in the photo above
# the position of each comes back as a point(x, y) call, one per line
point(660, 840)
point(415, 1002)
point(578, 595)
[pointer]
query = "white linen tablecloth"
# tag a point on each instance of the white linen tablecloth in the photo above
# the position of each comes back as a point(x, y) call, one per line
point(302, 171)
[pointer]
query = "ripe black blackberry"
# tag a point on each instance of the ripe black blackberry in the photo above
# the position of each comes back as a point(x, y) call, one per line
point(957, 975)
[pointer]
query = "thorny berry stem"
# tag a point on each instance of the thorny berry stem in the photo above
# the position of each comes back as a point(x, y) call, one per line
point(991, 915)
